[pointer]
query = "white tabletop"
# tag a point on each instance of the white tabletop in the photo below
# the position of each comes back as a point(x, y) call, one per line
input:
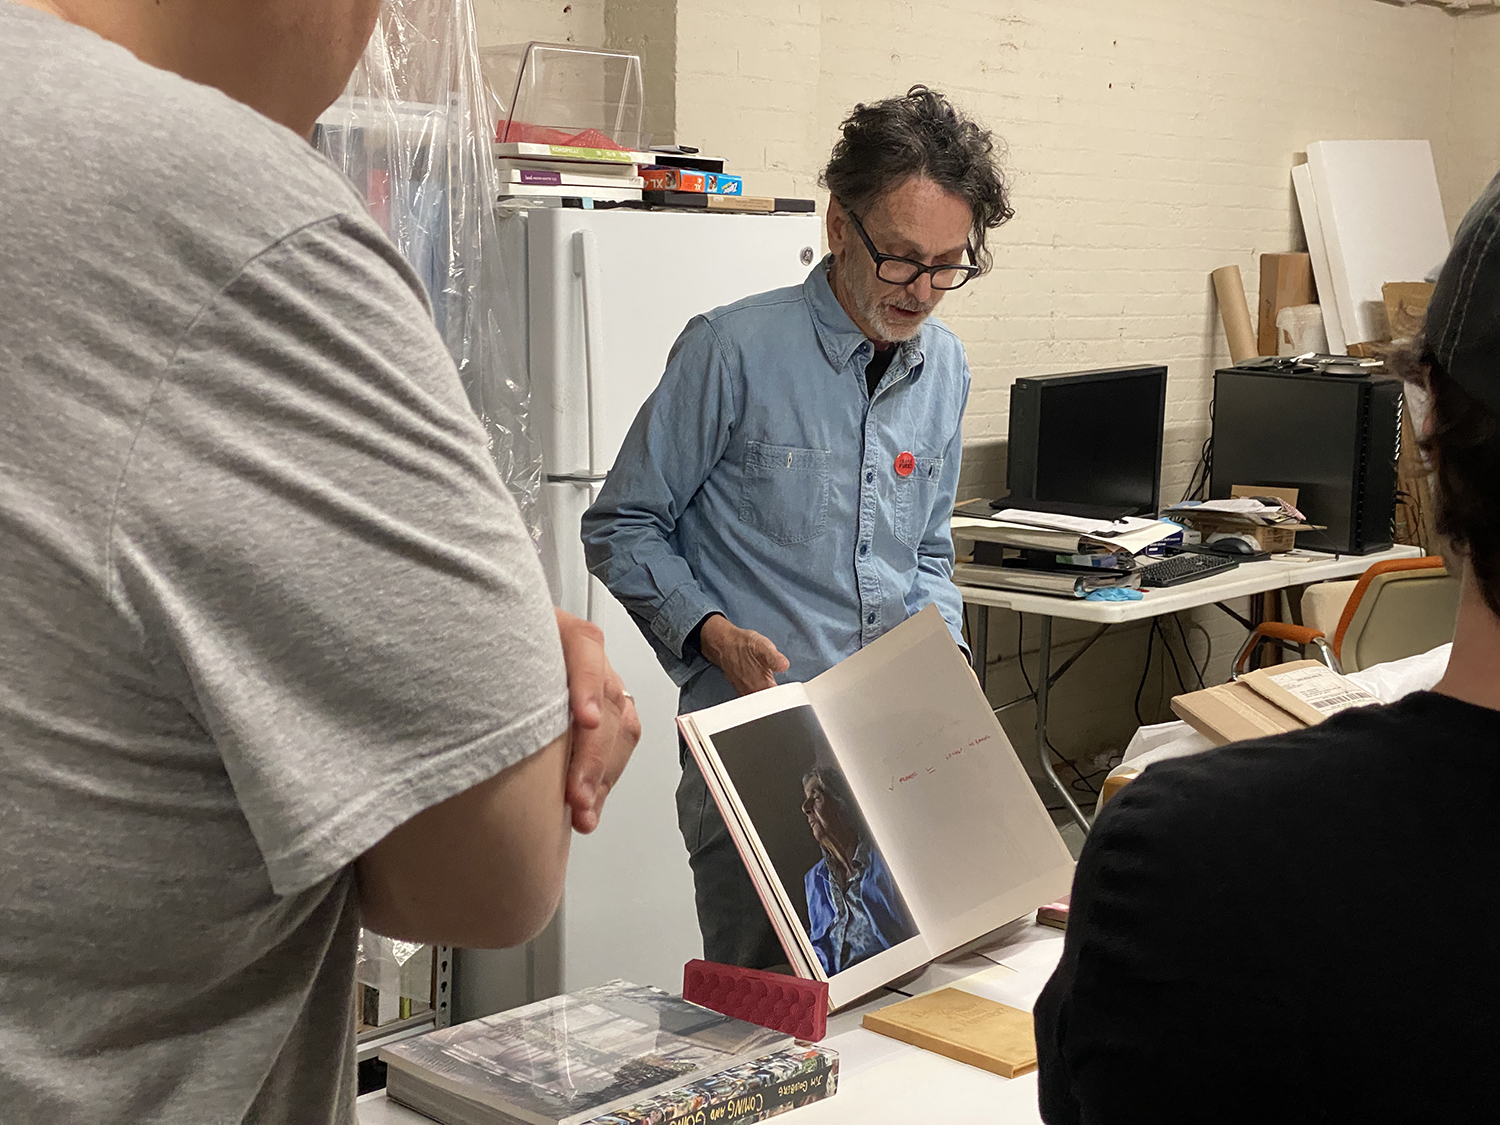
point(1296, 569)
point(883, 1080)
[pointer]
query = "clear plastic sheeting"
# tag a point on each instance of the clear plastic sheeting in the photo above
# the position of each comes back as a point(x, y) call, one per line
point(413, 131)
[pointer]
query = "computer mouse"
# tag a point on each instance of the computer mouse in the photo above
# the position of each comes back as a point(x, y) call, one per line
point(1233, 545)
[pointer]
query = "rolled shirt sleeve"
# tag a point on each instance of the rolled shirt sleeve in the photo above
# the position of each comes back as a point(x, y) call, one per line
point(629, 534)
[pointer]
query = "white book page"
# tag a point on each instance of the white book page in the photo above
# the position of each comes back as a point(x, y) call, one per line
point(1137, 541)
point(961, 825)
point(763, 753)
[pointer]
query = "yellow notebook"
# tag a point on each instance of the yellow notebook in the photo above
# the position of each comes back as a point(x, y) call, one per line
point(962, 1026)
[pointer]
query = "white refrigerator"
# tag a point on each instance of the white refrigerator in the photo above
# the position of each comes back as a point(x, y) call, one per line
point(607, 293)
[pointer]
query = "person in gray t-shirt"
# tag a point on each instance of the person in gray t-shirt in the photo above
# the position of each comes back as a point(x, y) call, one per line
point(272, 634)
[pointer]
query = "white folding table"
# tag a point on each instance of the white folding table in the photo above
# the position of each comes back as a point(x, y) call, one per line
point(1280, 572)
point(881, 1079)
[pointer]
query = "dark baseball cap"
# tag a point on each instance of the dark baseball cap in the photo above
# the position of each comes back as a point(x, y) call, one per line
point(1463, 317)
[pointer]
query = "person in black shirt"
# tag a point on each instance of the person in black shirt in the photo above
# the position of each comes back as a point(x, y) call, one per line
point(1306, 927)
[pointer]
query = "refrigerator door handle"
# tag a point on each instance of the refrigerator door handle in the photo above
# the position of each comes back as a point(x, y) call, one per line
point(576, 478)
point(586, 268)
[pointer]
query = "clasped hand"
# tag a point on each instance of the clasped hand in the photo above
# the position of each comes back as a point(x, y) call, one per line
point(605, 724)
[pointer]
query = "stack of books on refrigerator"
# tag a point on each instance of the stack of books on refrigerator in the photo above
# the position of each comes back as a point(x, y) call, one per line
point(1048, 553)
point(586, 166)
point(616, 1054)
point(683, 178)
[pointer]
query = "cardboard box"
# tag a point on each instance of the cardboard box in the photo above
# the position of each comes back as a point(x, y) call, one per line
point(1232, 713)
point(1273, 538)
point(1270, 701)
point(673, 179)
point(1285, 279)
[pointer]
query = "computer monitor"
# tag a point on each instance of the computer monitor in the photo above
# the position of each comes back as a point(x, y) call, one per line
point(1088, 442)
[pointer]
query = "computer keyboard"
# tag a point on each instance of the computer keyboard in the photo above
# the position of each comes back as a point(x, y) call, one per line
point(1184, 568)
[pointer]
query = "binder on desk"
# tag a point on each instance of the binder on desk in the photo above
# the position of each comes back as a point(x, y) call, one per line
point(1076, 582)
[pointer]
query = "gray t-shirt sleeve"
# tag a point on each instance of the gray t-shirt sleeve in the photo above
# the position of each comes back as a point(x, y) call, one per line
point(321, 561)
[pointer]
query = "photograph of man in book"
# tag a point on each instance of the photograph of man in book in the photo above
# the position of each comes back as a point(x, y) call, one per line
point(853, 908)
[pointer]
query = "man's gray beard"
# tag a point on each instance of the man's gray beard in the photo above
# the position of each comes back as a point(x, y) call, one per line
point(874, 313)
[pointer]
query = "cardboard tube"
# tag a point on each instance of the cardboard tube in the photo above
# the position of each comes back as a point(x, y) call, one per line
point(1235, 312)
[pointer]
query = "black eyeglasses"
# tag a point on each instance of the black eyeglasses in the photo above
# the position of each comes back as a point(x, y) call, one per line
point(903, 271)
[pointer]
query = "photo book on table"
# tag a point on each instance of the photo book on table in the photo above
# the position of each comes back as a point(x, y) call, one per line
point(614, 1054)
point(880, 810)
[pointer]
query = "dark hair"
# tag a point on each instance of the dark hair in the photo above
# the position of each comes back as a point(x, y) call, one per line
point(1463, 445)
point(834, 785)
point(887, 142)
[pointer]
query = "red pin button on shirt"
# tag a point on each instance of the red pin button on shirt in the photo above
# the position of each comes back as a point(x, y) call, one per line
point(905, 463)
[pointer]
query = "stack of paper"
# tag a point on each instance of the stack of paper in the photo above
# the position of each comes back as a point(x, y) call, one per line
point(1049, 553)
point(1260, 510)
point(1133, 535)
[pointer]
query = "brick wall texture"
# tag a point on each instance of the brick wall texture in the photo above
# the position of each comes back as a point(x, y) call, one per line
point(1147, 144)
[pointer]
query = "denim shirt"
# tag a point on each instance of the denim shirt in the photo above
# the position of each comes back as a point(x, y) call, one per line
point(760, 481)
point(848, 924)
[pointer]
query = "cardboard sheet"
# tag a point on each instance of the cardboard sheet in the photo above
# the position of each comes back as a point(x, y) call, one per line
point(1308, 690)
point(1233, 712)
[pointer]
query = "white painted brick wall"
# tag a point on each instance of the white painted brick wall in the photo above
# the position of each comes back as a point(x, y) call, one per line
point(1474, 123)
point(748, 80)
point(1149, 143)
point(502, 22)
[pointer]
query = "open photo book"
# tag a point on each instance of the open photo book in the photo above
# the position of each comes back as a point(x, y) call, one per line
point(880, 810)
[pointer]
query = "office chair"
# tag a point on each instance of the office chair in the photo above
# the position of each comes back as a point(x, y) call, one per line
point(1398, 608)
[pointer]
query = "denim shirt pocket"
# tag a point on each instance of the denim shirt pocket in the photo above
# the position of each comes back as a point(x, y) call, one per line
point(914, 498)
point(784, 492)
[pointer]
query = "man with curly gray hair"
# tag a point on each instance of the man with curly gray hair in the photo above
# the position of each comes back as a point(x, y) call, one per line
point(783, 498)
